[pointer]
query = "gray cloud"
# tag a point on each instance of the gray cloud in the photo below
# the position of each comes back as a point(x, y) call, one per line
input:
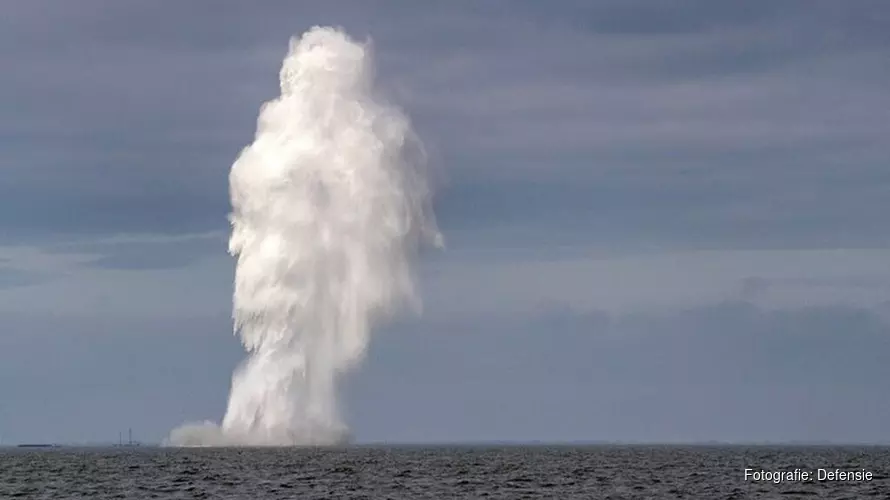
point(11, 277)
point(461, 284)
point(146, 253)
point(730, 372)
point(689, 122)
point(81, 378)
point(582, 147)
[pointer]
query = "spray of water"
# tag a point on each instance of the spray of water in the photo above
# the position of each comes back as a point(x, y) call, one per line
point(330, 205)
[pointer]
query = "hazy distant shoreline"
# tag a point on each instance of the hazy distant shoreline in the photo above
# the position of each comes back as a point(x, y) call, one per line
point(467, 444)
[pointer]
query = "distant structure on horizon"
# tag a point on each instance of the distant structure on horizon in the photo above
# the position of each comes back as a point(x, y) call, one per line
point(130, 442)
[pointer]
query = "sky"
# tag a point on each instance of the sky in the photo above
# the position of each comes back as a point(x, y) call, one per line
point(664, 221)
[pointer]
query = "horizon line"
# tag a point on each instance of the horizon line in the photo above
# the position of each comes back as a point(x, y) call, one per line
point(477, 443)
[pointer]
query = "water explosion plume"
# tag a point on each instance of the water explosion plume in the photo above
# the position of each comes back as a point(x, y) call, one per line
point(330, 205)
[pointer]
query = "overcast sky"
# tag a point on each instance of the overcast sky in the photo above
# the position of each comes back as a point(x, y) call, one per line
point(665, 221)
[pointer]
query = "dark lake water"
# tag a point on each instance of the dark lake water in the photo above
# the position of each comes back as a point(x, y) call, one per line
point(514, 472)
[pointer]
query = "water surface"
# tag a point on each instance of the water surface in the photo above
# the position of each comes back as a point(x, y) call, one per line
point(510, 472)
